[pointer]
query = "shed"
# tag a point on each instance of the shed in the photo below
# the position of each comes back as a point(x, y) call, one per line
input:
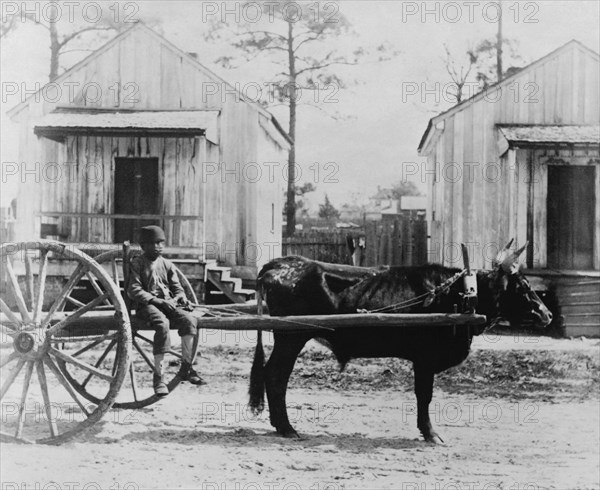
point(521, 159)
point(141, 132)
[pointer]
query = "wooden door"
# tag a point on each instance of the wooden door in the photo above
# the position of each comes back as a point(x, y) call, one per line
point(571, 215)
point(136, 193)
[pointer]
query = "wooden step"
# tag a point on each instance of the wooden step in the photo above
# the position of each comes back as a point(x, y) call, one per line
point(572, 308)
point(222, 272)
point(579, 330)
point(231, 287)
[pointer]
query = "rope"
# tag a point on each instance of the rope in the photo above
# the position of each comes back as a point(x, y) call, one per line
point(416, 300)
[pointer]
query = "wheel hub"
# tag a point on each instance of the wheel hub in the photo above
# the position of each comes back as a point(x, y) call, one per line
point(24, 342)
point(29, 344)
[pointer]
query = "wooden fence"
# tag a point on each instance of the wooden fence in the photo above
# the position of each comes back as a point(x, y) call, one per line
point(401, 242)
point(7, 230)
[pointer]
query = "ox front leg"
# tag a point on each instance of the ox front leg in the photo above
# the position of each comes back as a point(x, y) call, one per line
point(424, 391)
point(277, 374)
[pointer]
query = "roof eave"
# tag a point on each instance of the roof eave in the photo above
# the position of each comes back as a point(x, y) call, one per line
point(58, 133)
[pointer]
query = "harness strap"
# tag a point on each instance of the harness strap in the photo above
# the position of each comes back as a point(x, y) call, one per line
point(429, 297)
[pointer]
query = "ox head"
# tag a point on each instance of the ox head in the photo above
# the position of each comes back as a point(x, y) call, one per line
point(517, 302)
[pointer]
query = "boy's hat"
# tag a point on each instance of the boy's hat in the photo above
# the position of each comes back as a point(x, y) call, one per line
point(152, 234)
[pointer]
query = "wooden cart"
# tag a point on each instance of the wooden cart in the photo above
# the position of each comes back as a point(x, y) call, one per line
point(82, 336)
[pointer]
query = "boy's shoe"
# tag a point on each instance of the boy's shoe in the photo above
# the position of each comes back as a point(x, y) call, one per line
point(188, 373)
point(160, 387)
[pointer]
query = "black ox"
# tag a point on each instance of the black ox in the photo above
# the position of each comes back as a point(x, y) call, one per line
point(299, 286)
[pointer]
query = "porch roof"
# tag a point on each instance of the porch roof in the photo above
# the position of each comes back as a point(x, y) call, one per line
point(543, 134)
point(118, 123)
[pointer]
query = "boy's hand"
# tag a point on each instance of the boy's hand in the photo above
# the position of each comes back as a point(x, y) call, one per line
point(182, 301)
point(168, 305)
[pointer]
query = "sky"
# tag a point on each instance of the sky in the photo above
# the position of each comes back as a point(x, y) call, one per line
point(382, 121)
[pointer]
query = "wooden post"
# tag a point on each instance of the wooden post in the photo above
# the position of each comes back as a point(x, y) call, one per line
point(126, 260)
point(371, 244)
point(396, 252)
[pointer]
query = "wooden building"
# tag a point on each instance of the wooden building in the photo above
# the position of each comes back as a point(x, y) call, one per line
point(522, 160)
point(141, 132)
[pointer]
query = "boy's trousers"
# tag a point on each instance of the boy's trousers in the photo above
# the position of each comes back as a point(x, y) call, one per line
point(161, 322)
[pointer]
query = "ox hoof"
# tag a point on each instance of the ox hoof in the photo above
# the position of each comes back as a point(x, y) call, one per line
point(289, 434)
point(433, 438)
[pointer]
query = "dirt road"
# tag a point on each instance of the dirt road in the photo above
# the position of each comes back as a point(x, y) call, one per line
point(518, 414)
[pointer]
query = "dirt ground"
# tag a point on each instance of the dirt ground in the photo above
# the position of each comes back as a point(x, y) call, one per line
point(521, 413)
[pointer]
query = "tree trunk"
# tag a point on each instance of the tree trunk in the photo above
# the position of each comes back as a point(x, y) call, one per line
point(499, 70)
point(291, 191)
point(54, 52)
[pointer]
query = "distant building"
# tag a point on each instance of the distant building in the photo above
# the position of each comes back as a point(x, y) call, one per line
point(352, 212)
point(413, 207)
point(383, 206)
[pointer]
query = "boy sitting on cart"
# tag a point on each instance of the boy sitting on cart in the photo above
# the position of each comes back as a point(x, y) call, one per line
point(160, 300)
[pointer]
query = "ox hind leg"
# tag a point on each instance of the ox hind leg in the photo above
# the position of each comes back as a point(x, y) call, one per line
point(277, 374)
point(424, 390)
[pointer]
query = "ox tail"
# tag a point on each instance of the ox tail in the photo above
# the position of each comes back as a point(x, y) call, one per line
point(257, 373)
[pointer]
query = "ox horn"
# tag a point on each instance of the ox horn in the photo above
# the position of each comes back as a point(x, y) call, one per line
point(520, 251)
point(508, 245)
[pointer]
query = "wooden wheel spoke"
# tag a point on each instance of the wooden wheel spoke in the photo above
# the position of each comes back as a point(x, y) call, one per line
point(21, 417)
point(108, 336)
point(11, 378)
point(97, 287)
point(16, 291)
point(115, 271)
point(170, 351)
point(12, 318)
point(44, 387)
point(65, 384)
point(78, 273)
point(39, 300)
point(144, 355)
point(115, 363)
point(11, 357)
point(74, 301)
point(81, 364)
point(29, 282)
point(133, 381)
point(76, 314)
point(99, 361)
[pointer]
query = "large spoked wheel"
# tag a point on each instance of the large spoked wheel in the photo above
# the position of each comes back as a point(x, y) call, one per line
point(137, 391)
point(82, 324)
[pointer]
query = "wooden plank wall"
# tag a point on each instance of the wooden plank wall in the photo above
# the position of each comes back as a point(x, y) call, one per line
point(269, 199)
point(88, 186)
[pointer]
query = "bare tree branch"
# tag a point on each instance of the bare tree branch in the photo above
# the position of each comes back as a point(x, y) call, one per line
point(68, 38)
